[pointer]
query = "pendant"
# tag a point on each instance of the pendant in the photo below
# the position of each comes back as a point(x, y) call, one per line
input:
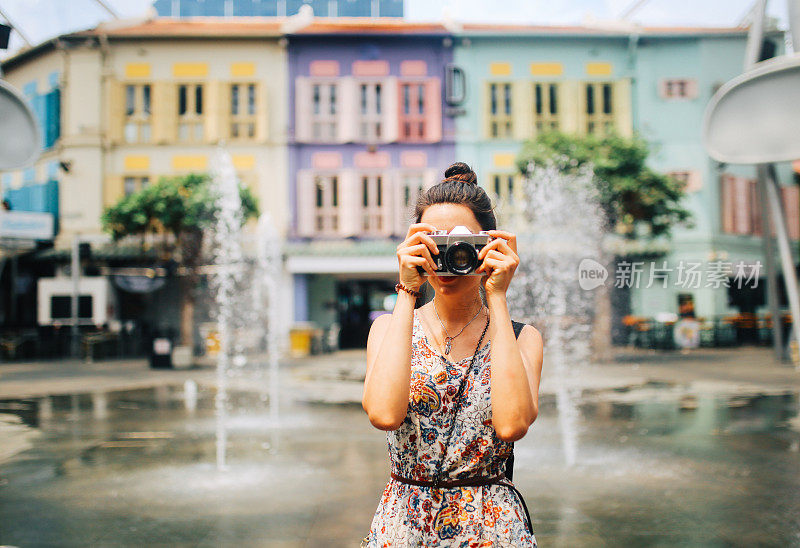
point(447, 341)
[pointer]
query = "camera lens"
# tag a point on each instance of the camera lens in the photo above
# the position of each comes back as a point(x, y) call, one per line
point(461, 258)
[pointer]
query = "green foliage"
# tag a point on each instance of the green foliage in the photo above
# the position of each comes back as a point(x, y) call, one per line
point(178, 205)
point(630, 191)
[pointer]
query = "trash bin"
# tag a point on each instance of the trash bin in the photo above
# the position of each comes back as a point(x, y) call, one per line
point(161, 350)
point(300, 336)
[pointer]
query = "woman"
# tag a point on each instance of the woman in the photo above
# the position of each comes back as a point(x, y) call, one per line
point(416, 362)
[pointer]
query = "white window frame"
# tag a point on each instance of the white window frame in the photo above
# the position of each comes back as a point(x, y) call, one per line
point(372, 202)
point(324, 124)
point(243, 107)
point(501, 109)
point(327, 189)
point(599, 122)
point(138, 123)
point(371, 106)
point(191, 124)
point(417, 116)
point(546, 120)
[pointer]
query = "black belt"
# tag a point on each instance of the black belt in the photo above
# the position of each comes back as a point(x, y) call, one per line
point(464, 482)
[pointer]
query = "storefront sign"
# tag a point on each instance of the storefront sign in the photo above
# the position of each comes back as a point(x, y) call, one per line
point(26, 225)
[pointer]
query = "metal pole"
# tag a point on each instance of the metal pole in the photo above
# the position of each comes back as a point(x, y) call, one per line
point(787, 262)
point(13, 304)
point(794, 23)
point(769, 258)
point(75, 294)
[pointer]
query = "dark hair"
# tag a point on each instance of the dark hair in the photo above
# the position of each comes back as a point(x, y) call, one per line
point(460, 186)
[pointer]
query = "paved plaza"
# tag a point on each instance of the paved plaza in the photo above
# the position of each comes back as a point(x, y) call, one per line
point(696, 449)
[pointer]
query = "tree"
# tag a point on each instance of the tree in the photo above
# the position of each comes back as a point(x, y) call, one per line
point(178, 209)
point(629, 192)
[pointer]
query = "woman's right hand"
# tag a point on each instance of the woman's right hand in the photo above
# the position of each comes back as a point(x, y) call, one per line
point(416, 251)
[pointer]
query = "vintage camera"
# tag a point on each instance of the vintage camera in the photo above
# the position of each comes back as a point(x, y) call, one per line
point(458, 251)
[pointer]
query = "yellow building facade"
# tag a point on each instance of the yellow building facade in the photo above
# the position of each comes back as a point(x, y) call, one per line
point(154, 99)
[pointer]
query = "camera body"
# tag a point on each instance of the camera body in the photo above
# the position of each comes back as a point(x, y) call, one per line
point(458, 251)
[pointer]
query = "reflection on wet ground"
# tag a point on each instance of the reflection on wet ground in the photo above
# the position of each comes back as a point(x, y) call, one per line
point(655, 468)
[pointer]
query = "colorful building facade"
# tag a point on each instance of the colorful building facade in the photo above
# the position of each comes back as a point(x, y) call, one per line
point(337, 124)
point(367, 134)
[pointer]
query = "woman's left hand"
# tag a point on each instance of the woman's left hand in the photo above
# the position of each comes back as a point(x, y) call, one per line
point(500, 260)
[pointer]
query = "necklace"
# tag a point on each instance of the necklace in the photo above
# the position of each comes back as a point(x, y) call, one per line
point(448, 340)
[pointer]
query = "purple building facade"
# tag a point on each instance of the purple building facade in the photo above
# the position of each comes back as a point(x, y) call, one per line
point(367, 134)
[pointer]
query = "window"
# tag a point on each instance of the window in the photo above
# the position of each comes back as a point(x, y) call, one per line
point(545, 107)
point(243, 111)
point(599, 107)
point(326, 203)
point(412, 185)
point(372, 204)
point(412, 111)
point(138, 121)
point(134, 184)
point(190, 113)
point(503, 186)
point(323, 113)
point(681, 88)
point(500, 121)
point(370, 109)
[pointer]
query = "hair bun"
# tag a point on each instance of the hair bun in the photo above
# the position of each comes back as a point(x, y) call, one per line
point(460, 171)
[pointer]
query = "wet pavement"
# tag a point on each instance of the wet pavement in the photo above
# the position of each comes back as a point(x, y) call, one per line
point(670, 453)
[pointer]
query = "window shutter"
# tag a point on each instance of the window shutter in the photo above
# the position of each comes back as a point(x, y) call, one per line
point(347, 110)
point(115, 110)
point(390, 115)
point(433, 110)
point(114, 190)
point(791, 205)
point(211, 115)
point(581, 117)
point(623, 116)
point(755, 204)
point(262, 112)
point(388, 185)
point(350, 210)
point(522, 109)
point(400, 221)
point(726, 183)
point(302, 109)
point(741, 205)
point(569, 106)
point(165, 116)
point(305, 203)
point(487, 111)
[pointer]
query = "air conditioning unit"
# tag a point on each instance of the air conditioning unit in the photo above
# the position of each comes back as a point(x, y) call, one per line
point(95, 301)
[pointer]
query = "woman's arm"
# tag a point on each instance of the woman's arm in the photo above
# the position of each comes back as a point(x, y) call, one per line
point(516, 370)
point(388, 379)
point(516, 363)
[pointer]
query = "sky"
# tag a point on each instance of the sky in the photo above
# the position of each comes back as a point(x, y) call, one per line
point(43, 19)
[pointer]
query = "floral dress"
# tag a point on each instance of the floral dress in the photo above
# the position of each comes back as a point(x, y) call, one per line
point(464, 517)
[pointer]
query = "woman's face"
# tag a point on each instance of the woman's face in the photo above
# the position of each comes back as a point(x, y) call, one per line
point(446, 217)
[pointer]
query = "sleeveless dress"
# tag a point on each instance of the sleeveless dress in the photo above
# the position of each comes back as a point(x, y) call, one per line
point(468, 517)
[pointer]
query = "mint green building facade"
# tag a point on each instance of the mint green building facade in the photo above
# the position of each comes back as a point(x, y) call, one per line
point(655, 83)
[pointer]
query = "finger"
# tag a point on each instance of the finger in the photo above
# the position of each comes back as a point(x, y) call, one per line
point(488, 247)
point(421, 262)
point(491, 264)
point(510, 236)
point(422, 237)
point(505, 248)
point(420, 250)
point(419, 227)
point(500, 256)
